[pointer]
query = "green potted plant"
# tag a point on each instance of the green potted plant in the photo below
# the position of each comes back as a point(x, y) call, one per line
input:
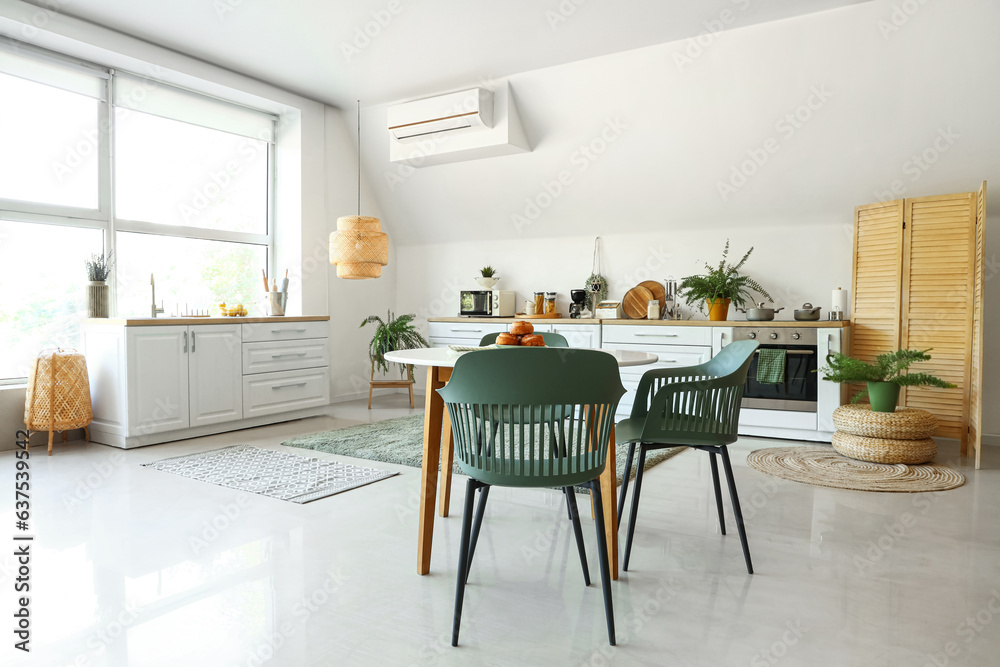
point(488, 277)
point(721, 286)
point(391, 334)
point(883, 378)
point(98, 271)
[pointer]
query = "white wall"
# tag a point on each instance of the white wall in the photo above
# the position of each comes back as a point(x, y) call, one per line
point(893, 84)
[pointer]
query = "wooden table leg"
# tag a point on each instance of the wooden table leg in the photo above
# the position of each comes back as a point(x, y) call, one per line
point(609, 496)
point(447, 460)
point(433, 417)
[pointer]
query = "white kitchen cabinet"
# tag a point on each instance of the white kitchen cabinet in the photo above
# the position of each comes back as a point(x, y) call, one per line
point(155, 383)
point(580, 335)
point(214, 374)
point(157, 379)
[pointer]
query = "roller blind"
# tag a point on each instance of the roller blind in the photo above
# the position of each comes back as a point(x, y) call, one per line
point(161, 99)
point(25, 62)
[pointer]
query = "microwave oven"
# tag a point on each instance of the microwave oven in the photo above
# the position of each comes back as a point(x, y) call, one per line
point(487, 303)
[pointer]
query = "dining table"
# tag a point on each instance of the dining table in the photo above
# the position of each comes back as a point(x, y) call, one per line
point(438, 448)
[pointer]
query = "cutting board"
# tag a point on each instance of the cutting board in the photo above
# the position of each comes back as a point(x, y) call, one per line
point(658, 290)
point(635, 302)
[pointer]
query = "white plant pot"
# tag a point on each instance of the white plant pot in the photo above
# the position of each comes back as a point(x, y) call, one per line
point(98, 299)
point(487, 283)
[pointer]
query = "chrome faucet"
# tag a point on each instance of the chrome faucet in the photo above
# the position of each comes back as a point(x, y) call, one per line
point(154, 309)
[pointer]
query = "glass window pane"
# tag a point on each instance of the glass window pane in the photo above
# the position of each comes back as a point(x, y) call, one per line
point(174, 173)
point(190, 274)
point(43, 283)
point(48, 144)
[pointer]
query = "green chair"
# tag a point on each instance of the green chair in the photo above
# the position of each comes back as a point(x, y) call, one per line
point(532, 417)
point(551, 339)
point(697, 406)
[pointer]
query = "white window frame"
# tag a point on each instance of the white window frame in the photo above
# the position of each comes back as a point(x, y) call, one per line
point(103, 217)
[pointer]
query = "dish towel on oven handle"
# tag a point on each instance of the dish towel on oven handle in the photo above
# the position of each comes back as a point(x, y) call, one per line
point(770, 366)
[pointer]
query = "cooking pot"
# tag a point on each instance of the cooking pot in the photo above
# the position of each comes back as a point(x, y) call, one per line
point(807, 312)
point(759, 313)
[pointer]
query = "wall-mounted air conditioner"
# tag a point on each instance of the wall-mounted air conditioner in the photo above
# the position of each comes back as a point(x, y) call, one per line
point(466, 109)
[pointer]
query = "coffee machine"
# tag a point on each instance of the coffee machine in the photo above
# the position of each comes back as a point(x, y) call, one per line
point(578, 296)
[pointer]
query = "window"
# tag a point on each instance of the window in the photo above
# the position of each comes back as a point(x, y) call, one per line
point(192, 178)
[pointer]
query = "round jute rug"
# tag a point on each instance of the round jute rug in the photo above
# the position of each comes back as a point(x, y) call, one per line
point(823, 466)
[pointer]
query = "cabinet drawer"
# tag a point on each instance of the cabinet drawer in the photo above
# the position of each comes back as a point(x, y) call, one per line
point(654, 334)
point(473, 331)
point(262, 331)
point(272, 393)
point(668, 356)
point(285, 355)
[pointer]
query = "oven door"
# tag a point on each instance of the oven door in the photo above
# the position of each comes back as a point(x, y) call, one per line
point(476, 303)
point(797, 393)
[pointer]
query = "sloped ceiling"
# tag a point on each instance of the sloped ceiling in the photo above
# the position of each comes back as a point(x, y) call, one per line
point(336, 51)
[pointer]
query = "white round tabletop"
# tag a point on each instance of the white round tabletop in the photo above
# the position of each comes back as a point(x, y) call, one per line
point(442, 357)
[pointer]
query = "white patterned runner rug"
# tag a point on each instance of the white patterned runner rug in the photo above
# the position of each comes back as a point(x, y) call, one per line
point(297, 479)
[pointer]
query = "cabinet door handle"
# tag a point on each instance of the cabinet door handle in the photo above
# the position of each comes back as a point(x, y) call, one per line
point(192, 341)
point(185, 342)
point(288, 354)
point(282, 386)
point(467, 331)
point(278, 331)
point(652, 335)
point(668, 361)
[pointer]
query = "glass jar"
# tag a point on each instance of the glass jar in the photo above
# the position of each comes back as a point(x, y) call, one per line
point(539, 303)
point(550, 302)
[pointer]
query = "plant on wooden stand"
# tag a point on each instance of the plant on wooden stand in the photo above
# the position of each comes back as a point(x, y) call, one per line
point(392, 334)
point(721, 286)
point(883, 378)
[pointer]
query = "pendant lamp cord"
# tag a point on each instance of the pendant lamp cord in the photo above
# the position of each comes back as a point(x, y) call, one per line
point(359, 158)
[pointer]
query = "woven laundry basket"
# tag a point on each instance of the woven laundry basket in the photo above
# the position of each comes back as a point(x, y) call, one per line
point(903, 424)
point(885, 450)
point(58, 396)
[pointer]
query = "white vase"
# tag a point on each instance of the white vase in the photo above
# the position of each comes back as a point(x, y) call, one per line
point(98, 302)
point(487, 283)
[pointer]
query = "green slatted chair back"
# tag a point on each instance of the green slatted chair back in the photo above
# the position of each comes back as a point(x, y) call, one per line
point(533, 417)
point(551, 339)
point(695, 405)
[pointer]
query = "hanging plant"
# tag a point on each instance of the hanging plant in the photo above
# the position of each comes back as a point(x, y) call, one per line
point(597, 284)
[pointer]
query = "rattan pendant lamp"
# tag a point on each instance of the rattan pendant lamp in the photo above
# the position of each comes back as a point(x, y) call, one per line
point(359, 248)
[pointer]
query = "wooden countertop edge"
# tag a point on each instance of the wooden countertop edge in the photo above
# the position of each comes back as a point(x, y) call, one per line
point(179, 321)
point(816, 324)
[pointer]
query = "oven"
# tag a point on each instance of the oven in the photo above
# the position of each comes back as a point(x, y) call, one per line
point(797, 393)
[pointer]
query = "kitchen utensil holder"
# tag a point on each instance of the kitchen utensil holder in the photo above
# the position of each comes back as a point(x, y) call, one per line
point(276, 303)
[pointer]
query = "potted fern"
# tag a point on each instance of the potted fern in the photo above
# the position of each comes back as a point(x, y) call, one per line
point(721, 286)
point(883, 378)
point(391, 334)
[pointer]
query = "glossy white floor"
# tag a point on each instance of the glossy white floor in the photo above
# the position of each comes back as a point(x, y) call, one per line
point(138, 567)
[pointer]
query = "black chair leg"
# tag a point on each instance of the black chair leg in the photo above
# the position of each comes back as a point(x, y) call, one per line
point(484, 493)
point(727, 466)
point(463, 559)
point(602, 552)
point(574, 515)
point(635, 506)
point(628, 471)
point(718, 492)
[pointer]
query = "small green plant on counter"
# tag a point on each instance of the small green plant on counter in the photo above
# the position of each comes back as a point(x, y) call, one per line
point(488, 271)
point(722, 282)
point(890, 367)
point(99, 267)
point(392, 334)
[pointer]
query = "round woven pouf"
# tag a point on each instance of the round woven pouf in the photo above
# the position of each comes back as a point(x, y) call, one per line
point(885, 450)
point(903, 424)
